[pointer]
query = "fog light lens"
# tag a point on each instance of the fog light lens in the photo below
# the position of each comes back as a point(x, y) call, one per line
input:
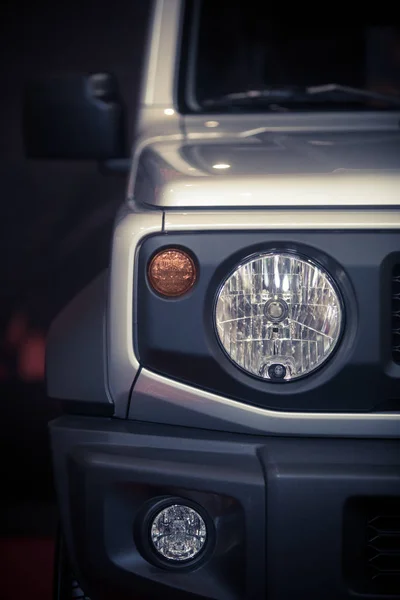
point(178, 533)
point(172, 272)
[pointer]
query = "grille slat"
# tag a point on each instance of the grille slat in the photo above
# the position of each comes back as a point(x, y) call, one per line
point(371, 550)
point(383, 549)
point(396, 314)
point(385, 542)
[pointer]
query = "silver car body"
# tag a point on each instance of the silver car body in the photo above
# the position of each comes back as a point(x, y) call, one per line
point(278, 195)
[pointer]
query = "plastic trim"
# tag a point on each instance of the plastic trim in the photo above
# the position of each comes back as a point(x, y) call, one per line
point(161, 400)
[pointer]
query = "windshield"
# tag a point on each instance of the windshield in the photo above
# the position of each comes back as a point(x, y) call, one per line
point(245, 59)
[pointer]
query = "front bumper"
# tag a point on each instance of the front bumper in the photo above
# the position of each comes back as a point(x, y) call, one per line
point(292, 515)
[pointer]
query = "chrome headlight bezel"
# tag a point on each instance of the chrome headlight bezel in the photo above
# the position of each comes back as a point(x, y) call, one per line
point(305, 258)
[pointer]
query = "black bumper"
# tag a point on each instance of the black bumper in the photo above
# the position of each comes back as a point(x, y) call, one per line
point(294, 518)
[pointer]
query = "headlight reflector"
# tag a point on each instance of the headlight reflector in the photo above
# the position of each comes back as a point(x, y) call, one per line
point(279, 316)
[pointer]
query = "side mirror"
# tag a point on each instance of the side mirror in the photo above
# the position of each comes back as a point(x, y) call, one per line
point(74, 117)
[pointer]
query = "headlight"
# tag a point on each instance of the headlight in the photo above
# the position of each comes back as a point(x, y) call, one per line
point(279, 316)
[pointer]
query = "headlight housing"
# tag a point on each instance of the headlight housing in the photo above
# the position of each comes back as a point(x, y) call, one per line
point(279, 316)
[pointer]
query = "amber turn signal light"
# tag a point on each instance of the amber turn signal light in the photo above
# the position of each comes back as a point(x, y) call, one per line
point(172, 272)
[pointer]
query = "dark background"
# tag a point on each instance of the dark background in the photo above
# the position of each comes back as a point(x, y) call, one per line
point(55, 218)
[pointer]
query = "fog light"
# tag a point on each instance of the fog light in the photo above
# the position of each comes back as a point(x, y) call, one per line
point(178, 533)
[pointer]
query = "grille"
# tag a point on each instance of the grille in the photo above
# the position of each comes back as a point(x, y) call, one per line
point(396, 314)
point(383, 550)
point(371, 545)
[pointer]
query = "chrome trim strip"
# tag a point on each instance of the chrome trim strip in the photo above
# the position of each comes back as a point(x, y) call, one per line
point(161, 400)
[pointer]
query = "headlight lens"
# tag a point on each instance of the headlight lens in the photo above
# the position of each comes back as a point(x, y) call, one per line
point(279, 316)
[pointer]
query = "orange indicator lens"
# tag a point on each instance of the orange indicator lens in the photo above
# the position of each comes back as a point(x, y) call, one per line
point(172, 272)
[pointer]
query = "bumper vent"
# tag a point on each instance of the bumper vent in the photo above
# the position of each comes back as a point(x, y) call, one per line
point(396, 314)
point(371, 548)
point(383, 550)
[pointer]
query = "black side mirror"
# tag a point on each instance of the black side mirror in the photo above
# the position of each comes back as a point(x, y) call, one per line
point(74, 117)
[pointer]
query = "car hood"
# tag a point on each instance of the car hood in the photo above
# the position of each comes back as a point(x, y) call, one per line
point(270, 169)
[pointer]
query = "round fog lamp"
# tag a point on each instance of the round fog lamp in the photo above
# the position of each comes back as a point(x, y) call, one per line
point(178, 533)
point(172, 272)
point(279, 316)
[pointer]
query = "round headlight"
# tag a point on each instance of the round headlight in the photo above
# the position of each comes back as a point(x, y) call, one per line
point(279, 316)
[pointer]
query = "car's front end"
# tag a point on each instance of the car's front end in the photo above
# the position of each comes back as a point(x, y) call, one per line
point(233, 381)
